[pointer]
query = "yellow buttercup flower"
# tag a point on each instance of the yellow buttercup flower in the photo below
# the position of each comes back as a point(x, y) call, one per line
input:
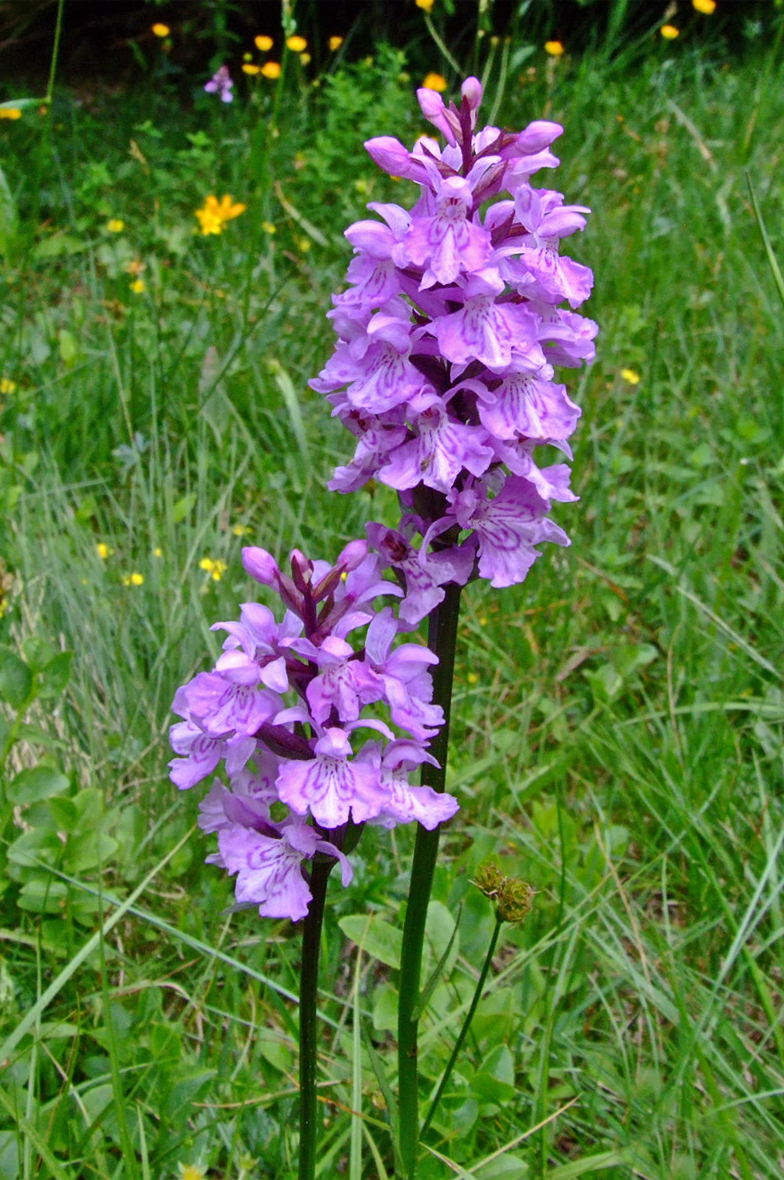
point(7, 385)
point(707, 7)
point(115, 225)
point(192, 1172)
point(133, 579)
point(434, 82)
point(137, 286)
point(268, 227)
point(104, 551)
point(214, 567)
point(263, 43)
point(631, 376)
point(271, 69)
point(554, 48)
point(669, 32)
point(157, 551)
point(427, 5)
point(213, 217)
point(296, 44)
point(335, 43)
point(161, 30)
point(249, 68)
point(240, 530)
point(10, 113)
point(305, 58)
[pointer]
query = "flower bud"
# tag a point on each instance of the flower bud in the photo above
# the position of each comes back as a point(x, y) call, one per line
point(261, 565)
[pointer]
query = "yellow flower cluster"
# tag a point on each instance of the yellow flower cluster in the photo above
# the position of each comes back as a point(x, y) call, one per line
point(10, 113)
point(213, 217)
point(214, 567)
point(554, 48)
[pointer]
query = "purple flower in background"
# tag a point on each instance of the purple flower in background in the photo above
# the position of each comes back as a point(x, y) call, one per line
point(221, 83)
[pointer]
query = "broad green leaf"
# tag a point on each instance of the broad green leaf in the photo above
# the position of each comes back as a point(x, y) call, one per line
point(489, 1089)
point(183, 507)
point(87, 850)
point(377, 938)
point(39, 782)
point(57, 246)
point(592, 1163)
point(55, 675)
point(16, 680)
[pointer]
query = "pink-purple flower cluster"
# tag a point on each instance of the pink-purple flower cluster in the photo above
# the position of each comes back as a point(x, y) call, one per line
point(319, 720)
point(449, 332)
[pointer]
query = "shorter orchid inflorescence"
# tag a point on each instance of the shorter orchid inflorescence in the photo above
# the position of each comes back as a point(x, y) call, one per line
point(285, 708)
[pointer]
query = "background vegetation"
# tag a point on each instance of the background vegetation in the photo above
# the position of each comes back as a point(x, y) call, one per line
point(618, 726)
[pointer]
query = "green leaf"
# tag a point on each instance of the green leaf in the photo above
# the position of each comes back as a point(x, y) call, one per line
point(376, 937)
point(37, 652)
point(21, 104)
point(87, 850)
point(55, 675)
point(58, 245)
point(591, 1163)
point(506, 1167)
point(64, 813)
point(16, 680)
point(439, 921)
point(8, 216)
point(39, 782)
point(183, 507)
point(489, 1089)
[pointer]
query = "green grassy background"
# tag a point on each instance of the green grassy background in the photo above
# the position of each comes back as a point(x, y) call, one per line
point(618, 723)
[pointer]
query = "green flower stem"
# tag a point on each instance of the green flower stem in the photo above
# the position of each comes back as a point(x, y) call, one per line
point(442, 639)
point(480, 987)
point(308, 1021)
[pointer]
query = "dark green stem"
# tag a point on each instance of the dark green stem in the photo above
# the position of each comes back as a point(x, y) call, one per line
point(442, 639)
point(308, 1021)
point(480, 987)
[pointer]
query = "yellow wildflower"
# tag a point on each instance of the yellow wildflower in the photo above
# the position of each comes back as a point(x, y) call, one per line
point(435, 82)
point(10, 113)
point(157, 551)
point(271, 69)
point(427, 5)
point(707, 7)
point(137, 286)
point(115, 225)
point(7, 385)
point(263, 43)
point(161, 30)
point(214, 567)
point(472, 678)
point(305, 58)
point(213, 217)
point(104, 551)
point(335, 43)
point(192, 1172)
point(133, 579)
point(240, 530)
point(554, 48)
point(268, 227)
point(303, 244)
point(249, 68)
point(296, 44)
point(669, 32)
point(631, 376)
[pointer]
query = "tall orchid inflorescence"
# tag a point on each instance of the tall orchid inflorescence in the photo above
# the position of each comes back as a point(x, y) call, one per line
point(284, 709)
point(448, 334)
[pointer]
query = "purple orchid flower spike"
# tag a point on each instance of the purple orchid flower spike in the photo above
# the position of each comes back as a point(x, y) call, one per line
point(220, 83)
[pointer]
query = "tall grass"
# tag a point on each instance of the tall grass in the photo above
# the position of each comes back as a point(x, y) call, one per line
point(618, 723)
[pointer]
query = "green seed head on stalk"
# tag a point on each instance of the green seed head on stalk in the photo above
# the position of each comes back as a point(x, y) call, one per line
point(511, 896)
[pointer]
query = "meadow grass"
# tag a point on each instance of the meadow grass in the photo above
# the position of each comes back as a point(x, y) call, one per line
point(618, 718)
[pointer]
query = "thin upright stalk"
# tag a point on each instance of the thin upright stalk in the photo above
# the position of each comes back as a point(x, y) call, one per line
point(442, 640)
point(480, 987)
point(308, 1021)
